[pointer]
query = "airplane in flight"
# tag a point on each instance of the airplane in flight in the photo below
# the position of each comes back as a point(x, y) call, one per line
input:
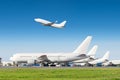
point(52, 24)
point(32, 58)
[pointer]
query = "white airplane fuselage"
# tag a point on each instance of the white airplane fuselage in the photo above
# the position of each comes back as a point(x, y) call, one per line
point(56, 57)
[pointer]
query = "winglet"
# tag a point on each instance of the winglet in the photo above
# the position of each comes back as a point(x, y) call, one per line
point(83, 46)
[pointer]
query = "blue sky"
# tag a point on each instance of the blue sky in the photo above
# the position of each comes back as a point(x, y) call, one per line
point(20, 33)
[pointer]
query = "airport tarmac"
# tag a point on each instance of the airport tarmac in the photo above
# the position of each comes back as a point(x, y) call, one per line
point(57, 67)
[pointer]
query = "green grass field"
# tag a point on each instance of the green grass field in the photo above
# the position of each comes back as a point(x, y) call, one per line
point(59, 73)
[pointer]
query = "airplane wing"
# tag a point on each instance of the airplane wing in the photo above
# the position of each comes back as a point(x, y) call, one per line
point(82, 56)
point(43, 58)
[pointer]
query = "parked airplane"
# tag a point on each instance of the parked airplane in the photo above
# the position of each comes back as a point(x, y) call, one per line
point(28, 58)
point(112, 63)
point(115, 62)
point(48, 23)
point(90, 56)
point(101, 60)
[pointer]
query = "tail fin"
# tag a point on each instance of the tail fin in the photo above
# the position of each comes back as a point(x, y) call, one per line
point(63, 23)
point(106, 56)
point(92, 52)
point(83, 46)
